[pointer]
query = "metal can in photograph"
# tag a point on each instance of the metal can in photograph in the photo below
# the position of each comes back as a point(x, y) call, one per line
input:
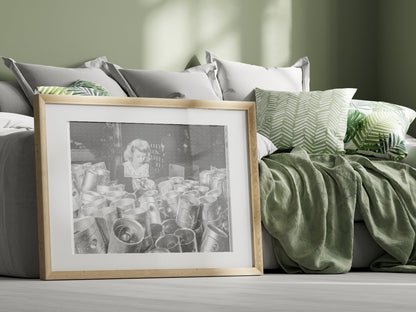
point(188, 211)
point(87, 236)
point(126, 236)
point(214, 240)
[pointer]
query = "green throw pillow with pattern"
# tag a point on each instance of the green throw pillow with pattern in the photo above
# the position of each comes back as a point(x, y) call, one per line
point(378, 129)
point(315, 121)
point(79, 87)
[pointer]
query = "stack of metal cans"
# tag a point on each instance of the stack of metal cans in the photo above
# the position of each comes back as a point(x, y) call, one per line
point(179, 215)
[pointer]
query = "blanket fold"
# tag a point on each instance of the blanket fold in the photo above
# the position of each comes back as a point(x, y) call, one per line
point(308, 204)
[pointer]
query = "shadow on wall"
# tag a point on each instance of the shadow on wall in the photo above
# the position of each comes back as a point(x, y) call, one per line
point(340, 38)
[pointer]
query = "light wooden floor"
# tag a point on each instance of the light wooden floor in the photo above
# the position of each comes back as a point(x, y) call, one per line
point(354, 291)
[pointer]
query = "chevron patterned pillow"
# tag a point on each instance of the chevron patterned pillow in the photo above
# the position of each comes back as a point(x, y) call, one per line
point(315, 121)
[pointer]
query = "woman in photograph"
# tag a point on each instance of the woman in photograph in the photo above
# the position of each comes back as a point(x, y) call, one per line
point(137, 165)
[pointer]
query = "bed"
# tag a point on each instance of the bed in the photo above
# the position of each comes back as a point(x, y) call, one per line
point(365, 249)
point(18, 238)
point(18, 215)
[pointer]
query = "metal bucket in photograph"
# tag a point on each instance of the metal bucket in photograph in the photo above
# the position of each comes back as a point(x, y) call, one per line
point(170, 242)
point(202, 189)
point(149, 203)
point(98, 203)
point(155, 195)
point(210, 209)
point(93, 211)
point(214, 240)
point(76, 200)
point(188, 212)
point(187, 239)
point(215, 193)
point(126, 236)
point(90, 181)
point(123, 204)
point(193, 193)
point(156, 231)
point(218, 182)
point(78, 173)
point(104, 188)
point(113, 196)
point(205, 177)
point(90, 196)
point(172, 201)
point(87, 237)
point(199, 232)
point(170, 226)
point(142, 216)
point(103, 177)
point(165, 186)
point(224, 220)
point(88, 211)
point(105, 218)
point(151, 193)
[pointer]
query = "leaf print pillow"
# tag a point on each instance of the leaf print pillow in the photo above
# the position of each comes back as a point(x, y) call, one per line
point(79, 87)
point(378, 129)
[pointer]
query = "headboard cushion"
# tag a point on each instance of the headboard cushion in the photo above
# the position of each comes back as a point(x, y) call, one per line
point(31, 76)
point(13, 100)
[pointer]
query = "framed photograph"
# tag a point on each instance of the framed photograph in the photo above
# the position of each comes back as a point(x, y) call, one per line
point(140, 187)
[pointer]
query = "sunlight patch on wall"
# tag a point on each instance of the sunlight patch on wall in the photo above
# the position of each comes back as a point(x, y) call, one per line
point(165, 39)
point(277, 33)
point(256, 32)
point(219, 29)
point(177, 29)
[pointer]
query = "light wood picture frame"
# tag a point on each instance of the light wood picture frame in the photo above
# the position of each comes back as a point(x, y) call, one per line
point(146, 187)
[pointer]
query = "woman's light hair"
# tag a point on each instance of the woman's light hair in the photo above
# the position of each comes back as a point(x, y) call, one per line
point(140, 145)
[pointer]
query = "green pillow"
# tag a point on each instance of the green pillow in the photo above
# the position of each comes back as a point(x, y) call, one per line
point(315, 121)
point(378, 129)
point(79, 87)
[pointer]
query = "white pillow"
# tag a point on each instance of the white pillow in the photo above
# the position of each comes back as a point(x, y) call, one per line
point(31, 76)
point(198, 82)
point(16, 121)
point(264, 147)
point(238, 80)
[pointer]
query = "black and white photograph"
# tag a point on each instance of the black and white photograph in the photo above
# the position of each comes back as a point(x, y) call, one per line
point(149, 188)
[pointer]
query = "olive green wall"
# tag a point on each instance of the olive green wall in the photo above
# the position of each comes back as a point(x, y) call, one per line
point(397, 53)
point(340, 38)
point(350, 43)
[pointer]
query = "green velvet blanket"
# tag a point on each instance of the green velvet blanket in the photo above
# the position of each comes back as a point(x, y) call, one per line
point(308, 204)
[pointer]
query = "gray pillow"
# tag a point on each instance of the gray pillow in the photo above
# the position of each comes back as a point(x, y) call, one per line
point(238, 80)
point(13, 100)
point(30, 76)
point(194, 83)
